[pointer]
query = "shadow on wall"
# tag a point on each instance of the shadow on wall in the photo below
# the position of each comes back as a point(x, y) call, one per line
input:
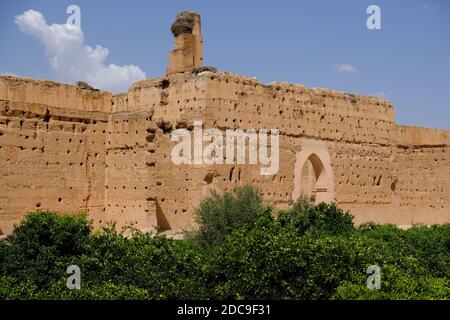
point(161, 220)
point(313, 179)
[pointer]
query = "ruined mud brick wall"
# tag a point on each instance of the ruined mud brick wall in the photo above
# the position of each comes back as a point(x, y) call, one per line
point(52, 142)
point(351, 131)
point(129, 176)
point(362, 150)
point(359, 139)
point(70, 148)
point(422, 165)
point(172, 191)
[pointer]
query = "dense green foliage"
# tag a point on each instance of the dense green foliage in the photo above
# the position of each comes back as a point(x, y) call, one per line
point(242, 250)
point(218, 215)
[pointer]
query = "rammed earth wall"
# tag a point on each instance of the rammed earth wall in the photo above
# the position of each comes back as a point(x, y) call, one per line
point(68, 148)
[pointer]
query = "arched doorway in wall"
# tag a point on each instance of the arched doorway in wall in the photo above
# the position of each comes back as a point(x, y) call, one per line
point(313, 180)
point(313, 173)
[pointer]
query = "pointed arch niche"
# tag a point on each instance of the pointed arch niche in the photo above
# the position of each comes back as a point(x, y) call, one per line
point(313, 174)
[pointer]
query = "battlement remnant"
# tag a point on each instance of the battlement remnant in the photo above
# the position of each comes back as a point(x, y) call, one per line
point(187, 54)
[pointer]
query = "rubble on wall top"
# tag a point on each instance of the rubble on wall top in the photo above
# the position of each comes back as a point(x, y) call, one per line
point(85, 85)
point(147, 83)
point(199, 70)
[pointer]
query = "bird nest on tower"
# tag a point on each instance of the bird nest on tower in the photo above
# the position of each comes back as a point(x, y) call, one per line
point(184, 23)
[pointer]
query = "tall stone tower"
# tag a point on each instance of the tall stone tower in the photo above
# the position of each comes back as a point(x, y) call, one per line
point(187, 54)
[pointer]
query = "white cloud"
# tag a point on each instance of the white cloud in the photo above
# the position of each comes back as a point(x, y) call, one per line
point(72, 60)
point(344, 68)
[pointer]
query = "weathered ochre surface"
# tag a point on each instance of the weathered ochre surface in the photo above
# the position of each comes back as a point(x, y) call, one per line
point(69, 149)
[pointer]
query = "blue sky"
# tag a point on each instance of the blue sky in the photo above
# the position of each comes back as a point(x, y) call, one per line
point(408, 60)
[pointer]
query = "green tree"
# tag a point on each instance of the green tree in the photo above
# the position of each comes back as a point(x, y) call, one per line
point(218, 215)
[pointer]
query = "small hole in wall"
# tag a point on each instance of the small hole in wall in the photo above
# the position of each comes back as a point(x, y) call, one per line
point(230, 176)
point(165, 84)
point(38, 205)
point(394, 185)
point(209, 178)
point(379, 180)
point(59, 199)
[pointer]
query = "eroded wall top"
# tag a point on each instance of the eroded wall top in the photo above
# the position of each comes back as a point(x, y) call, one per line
point(53, 94)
